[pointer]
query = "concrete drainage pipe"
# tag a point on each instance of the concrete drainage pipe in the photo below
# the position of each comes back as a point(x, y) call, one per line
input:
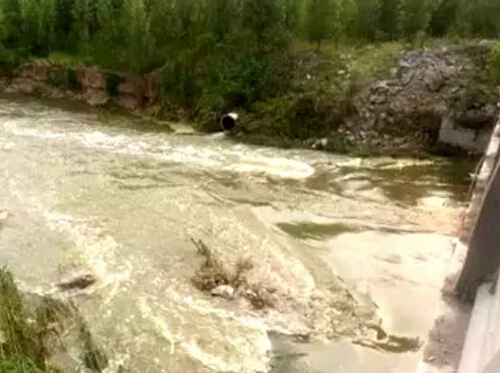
point(228, 121)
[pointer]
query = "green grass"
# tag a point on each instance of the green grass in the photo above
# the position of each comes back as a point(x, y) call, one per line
point(18, 364)
point(21, 350)
point(70, 60)
point(365, 60)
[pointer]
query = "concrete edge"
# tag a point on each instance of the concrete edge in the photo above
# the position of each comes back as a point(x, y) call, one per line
point(481, 180)
point(444, 311)
point(476, 328)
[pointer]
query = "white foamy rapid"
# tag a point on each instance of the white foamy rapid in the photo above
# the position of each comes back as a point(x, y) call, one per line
point(229, 158)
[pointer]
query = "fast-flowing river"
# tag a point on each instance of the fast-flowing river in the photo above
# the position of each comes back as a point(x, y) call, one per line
point(333, 238)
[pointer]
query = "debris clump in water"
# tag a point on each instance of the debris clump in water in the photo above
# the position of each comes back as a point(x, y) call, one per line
point(215, 278)
point(328, 312)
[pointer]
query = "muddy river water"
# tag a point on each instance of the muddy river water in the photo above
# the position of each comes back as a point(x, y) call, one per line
point(334, 239)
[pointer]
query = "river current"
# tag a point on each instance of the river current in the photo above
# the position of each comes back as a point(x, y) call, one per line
point(339, 240)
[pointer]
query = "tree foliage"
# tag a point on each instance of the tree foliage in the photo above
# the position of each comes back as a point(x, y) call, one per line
point(224, 52)
point(414, 17)
point(480, 17)
point(322, 20)
point(367, 20)
point(389, 19)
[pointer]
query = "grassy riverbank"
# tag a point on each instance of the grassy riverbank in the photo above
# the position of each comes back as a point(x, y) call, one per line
point(21, 348)
point(42, 334)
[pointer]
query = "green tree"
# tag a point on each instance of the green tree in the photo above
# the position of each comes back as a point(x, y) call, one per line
point(82, 18)
point(480, 17)
point(265, 20)
point(3, 33)
point(13, 21)
point(415, 17)
point(322, 20)
point(389, 18)
point(443, 18)
point(348, 16)
point(63, 23)
point(139, 44)
point(221, 17)
point(185, 11)
point(367, 21)
point(106, 38)
point(164, 24)
point(38, 25)
point(292, 16)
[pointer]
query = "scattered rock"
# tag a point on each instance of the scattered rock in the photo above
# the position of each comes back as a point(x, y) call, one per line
point(259, 298)
point(434, 81)
point(406, 111)
point(377, 99)
point(98, 98)
point(320, 144)
point(223, 291)
point(78, 281)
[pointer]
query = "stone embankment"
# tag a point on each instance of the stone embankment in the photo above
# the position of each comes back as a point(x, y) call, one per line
point(90, 85)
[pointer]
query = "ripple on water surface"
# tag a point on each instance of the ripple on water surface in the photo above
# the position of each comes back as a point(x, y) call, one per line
point(124, 203)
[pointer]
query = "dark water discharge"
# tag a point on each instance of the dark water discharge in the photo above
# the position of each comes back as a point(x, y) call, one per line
point(97, 193)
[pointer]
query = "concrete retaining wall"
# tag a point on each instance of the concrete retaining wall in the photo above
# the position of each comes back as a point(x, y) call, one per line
point(464, 138)
point(91, 85)
point(457, 345)
point(481, 352)
point(481, 180)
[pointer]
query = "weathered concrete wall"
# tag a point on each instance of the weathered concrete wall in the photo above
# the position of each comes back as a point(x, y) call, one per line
point(481, 353)
point(481, 182)
point(479, 280)
point(483, 257)
point(455, 344)
point(468, 139)
point(42, 77)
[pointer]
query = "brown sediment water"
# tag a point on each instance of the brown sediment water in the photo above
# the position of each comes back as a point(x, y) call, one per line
point(338, 239)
